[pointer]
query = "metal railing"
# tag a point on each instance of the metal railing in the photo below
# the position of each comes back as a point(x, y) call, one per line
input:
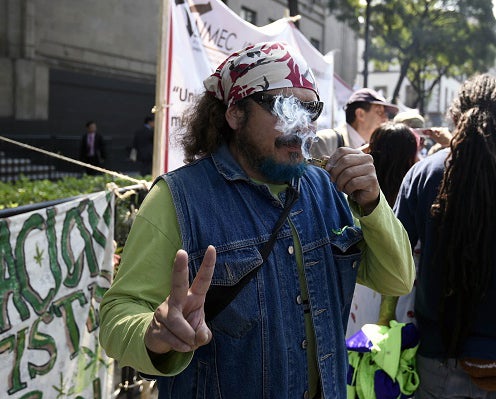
point(16, 161)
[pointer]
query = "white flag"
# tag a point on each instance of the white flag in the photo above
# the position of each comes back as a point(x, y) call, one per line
point(200, 36)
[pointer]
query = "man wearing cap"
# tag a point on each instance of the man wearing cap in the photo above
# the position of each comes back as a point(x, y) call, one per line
point(238, 272)
point(410, 118)
point(365, 110)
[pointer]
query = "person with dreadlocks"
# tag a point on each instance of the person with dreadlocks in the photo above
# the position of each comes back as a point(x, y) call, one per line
point(448, 201)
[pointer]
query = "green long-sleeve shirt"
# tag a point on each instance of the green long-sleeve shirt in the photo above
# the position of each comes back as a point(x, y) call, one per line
point(143, 280)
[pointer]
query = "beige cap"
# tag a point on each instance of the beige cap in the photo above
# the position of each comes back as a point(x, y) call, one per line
point(410, 118)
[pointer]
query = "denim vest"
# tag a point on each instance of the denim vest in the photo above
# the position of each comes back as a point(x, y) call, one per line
point(258, 348)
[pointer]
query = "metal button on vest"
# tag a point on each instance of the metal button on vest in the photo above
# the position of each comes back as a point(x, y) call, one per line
point(306, 395)
point(304, 344)
point(299, 301)
point(291, 250)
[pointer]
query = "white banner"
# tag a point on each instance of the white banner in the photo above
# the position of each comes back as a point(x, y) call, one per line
point(200, 36)
point(56, 263)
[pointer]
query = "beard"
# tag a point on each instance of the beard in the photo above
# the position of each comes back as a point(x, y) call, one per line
point(273, 170)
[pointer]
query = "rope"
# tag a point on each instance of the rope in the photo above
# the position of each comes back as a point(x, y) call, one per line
point(87, 165)
point(127, 191)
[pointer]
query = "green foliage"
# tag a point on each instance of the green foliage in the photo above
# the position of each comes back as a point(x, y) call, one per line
point(25, 192)
point(429, 39)
point(125, 213)
point(348, 11)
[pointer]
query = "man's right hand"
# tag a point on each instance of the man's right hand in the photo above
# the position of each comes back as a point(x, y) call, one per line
point(179, 322)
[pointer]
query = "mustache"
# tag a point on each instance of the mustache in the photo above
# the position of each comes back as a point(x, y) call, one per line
point(288, 141)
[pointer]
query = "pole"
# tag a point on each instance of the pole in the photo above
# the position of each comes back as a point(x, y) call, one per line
point(367, 44)
point(161, 131)
point(329, 58)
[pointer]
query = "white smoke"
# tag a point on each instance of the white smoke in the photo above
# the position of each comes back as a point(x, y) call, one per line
point(294, 121)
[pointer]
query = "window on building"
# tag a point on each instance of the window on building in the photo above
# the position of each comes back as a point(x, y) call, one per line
point(315, 43)
point(248, 15)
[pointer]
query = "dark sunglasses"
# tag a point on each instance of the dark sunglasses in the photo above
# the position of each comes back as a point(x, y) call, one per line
point(267, 102)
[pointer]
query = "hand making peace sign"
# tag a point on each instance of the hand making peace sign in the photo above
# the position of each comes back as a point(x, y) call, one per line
point(179, 322)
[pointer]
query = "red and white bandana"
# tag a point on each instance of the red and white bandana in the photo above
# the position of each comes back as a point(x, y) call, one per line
point(259, 67)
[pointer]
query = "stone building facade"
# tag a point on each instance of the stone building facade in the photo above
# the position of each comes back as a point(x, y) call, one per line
point(65, 62)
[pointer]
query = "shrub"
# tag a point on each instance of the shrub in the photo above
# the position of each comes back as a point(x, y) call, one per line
point(25, 192)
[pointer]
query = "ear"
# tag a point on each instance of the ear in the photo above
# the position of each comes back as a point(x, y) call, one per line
point(234, 117)
point(359, 114)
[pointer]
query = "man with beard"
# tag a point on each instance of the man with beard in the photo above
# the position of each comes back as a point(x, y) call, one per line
point(238, 273)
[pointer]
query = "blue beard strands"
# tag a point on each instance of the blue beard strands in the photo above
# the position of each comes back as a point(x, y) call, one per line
point(281, 173)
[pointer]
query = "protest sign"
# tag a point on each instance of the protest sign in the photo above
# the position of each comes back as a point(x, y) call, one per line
point(56, 264)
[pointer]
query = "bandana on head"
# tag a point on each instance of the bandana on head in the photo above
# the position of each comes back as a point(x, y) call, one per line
point(259, 67)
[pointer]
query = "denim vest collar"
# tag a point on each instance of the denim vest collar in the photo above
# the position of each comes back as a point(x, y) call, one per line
point(227, 166)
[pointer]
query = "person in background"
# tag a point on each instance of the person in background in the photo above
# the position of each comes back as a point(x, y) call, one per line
point(237, 275)
point(410, 118)
point(432, 139)
point(413, 119)
point(441, 136)
point(395, 149)
point(92, 148)
point(365, 110)
point(447, 201)
point(143, 145)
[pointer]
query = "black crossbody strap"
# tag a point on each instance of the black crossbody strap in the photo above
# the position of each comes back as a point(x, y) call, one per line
point(218, 297)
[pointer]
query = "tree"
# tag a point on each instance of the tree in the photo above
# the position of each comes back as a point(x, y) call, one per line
point(428, 39)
